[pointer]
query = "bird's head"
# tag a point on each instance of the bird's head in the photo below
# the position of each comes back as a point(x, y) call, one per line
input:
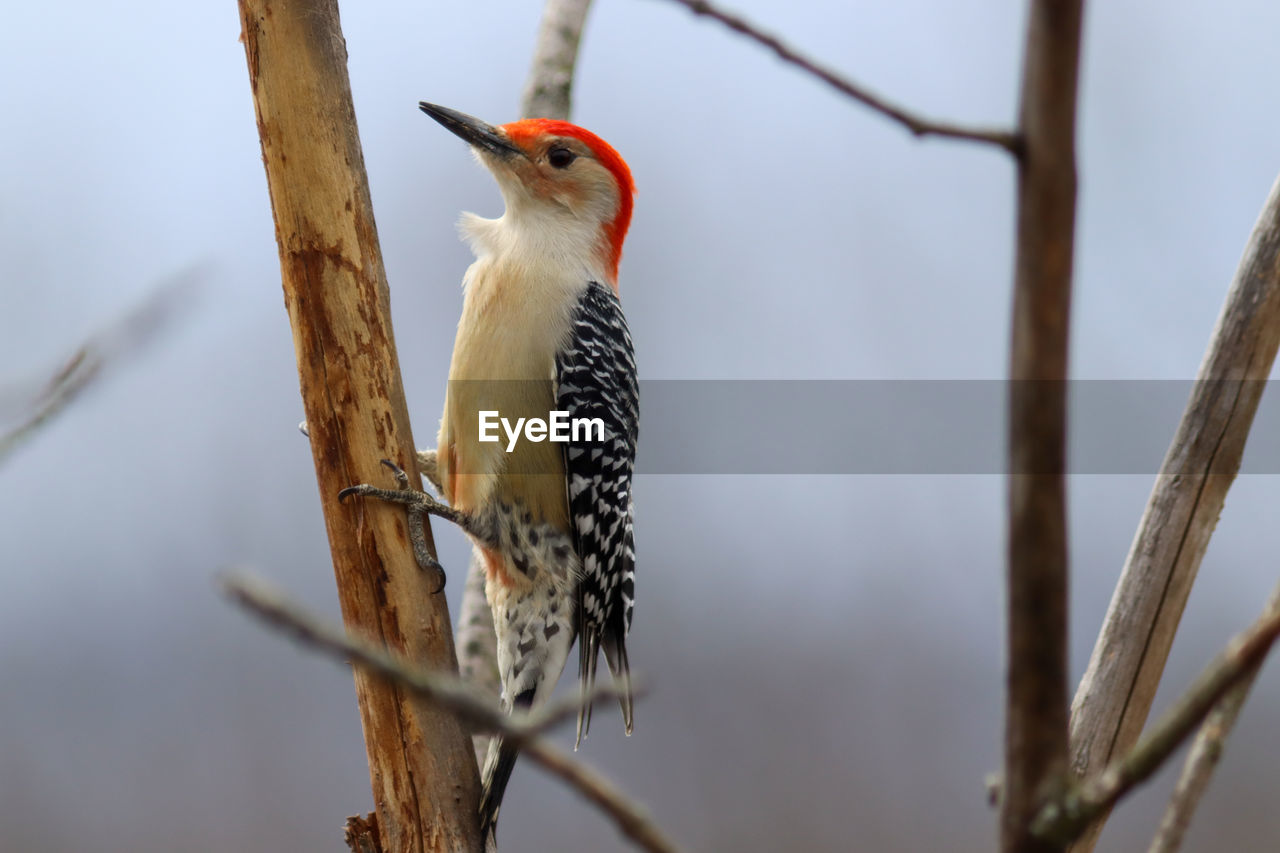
point(553, 173)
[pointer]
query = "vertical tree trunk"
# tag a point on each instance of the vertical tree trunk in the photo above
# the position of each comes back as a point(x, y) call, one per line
point(1036, 710)
point(423, 773)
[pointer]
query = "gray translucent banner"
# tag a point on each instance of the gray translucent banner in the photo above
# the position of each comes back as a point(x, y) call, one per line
point(891, 427)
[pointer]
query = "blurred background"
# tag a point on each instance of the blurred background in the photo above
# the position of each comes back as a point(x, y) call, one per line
point(825, 652)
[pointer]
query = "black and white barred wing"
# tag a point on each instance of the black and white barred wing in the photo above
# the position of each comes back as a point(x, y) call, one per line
point(596, 379)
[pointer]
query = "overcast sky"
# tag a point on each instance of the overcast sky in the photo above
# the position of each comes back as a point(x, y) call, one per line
point(825, 652)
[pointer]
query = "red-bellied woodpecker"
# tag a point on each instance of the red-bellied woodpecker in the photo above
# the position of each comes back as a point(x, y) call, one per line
point(542, 332)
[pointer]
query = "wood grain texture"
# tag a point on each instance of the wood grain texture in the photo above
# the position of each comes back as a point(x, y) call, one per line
point(1119, 685)
point(361, 834)
point(422, 770)
point(1036, 704)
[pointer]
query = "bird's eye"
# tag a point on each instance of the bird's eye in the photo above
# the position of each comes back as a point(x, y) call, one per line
point(560, 158)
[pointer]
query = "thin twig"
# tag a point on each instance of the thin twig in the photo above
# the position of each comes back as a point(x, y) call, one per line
point(1063, 820)
point(1036, 705)
point(462, 698)
point(918, 125)
point(107, 348)
point(1202, 759)
point(70, 380)
point(470, 705)
point(1115, 694)
point(630, 818)
point(548, 92)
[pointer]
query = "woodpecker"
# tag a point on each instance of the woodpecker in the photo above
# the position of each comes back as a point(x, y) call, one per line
point(542, 330)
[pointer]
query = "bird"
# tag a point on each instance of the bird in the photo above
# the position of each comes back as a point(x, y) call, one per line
point(542, 332)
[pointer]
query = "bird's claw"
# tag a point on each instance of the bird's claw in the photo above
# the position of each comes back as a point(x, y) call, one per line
point(417, 506)
point(434, 565)
point(402, 479)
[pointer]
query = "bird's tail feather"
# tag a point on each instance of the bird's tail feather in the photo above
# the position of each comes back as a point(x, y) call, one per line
point(588, 654)
point(497, 772)
point(615, 653)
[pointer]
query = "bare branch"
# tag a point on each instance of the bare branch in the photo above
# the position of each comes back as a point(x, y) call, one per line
point(423, 775)
point(1202, 759)
point(445, 688)
point(1036, 707)
point(462, 700)
point(63, 388)
point(1120, 682)
point(1063, 821)
point(107, 348)
point(1205, 752)
point(548, 92)
point(918, 125)
point(630, 818)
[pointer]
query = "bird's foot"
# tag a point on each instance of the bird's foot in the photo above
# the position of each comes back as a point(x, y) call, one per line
point(417, 506)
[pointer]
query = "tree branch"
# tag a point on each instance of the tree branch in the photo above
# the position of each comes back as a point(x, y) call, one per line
point(460, 699)
point(1202, 759)
point(422, 771)
point(918, 125)
point(105, 349)
point(1065, 820)
point(1036, 709)
point(1205, 752)
point(469, 704)
point(548, 92)
point(1119, 685)
point(631, 820)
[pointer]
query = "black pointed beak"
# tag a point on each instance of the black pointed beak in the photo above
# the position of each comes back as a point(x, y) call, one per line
point(474, 131)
